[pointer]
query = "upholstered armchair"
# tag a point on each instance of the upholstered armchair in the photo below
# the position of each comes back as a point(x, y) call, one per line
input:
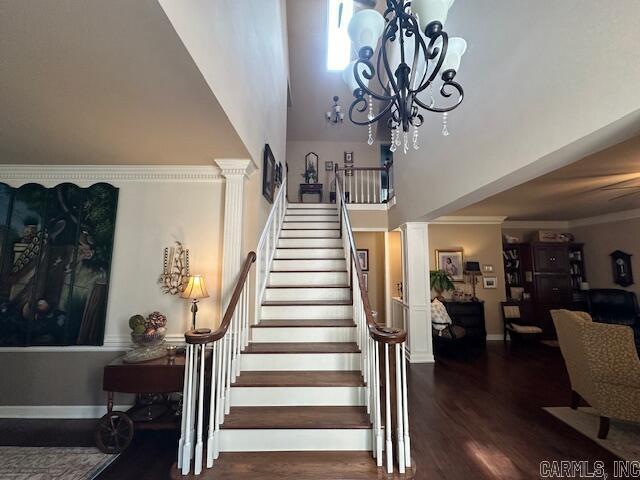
point(603, 366)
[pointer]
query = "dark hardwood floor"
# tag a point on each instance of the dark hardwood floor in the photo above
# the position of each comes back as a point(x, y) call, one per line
point(470, 419)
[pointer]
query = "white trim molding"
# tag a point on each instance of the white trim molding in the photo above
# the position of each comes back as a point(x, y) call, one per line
point(607, 218)
point(236, 166)
point(536, 224)
point(372, 206)
point(106, 173)
point(370, 229)
point(469, 220)
point(57, 411)
point(112, 343)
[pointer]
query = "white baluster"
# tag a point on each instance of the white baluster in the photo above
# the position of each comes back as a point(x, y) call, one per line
point(227, 376)
point(387, 422)
point(186, 403)
point(378, 419)
point(223, 390)
point(368, 186)
point(399, 413)
point(194, 398)
point(198, 456)
point(213, 400)
point(219, 396)
point(405, 407)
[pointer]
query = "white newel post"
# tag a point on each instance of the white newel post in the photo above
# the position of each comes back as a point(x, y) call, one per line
point(416, 289)
point(235, 171)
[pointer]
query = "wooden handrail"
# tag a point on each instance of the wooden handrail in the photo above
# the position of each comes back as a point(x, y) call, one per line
point(377, 332)
point(205, 335)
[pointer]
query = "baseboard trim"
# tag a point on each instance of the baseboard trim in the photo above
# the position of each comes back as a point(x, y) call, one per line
point(112, 343)
point(57, 411)
point(494, 337)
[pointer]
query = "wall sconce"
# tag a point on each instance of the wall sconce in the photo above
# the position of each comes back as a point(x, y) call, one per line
point(195, 290)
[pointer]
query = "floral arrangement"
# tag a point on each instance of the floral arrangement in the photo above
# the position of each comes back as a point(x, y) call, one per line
point(154, 324)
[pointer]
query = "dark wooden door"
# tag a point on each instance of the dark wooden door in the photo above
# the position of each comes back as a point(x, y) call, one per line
point(553, 289)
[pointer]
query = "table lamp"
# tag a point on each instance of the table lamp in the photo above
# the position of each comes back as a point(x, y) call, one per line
point(195, 290)
point(472, 270)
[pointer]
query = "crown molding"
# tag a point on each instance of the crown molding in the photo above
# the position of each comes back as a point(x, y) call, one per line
point(469, 220)
point(119, 173)
point(536, 224)
point(607, 218)
point(236, 166)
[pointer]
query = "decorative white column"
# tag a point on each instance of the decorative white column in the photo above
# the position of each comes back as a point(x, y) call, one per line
point(234, 171)
point(416, 291)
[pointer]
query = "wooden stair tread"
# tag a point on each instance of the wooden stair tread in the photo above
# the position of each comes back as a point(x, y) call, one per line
point(306, 347)
point(305, 323)
point(294, 466)
point(309, 303)
point(295, 378)
point(296, 417)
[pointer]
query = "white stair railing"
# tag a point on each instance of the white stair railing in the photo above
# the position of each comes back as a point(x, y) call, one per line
point(379, 345)
point(268, 243)
point(221, 348)
point(365, 184)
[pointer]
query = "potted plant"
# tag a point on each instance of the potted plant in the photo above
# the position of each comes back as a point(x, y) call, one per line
point(440, 282)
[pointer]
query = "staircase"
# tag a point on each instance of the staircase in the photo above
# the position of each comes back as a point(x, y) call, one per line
point(310, 377)
point(300, 386)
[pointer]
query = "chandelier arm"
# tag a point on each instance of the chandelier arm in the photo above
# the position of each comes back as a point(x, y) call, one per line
point(445, 94)
point(364, 90)
point(385, 60)
point(441, 57)
point(373, 119)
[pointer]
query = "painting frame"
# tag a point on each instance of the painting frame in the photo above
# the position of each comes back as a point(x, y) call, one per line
point(451, 261)
point(490, 281)
point(348, 158)
point(268, 174)
point(365, 277)
point(311, 167)
point(363, 258)
point(328, 166)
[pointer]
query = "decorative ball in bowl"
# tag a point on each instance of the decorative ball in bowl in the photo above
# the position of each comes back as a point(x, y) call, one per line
point(148, 335)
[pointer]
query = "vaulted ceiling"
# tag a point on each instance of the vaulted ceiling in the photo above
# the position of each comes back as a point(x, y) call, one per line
point(103, 82)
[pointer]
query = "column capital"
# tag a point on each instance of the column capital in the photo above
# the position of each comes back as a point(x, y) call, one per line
point(231, 167)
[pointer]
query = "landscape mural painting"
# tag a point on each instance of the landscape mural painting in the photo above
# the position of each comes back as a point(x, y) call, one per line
point(55, 259)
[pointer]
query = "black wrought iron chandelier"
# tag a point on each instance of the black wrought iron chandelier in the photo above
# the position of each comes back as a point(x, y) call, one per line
point(416, 62)
point(335, 115)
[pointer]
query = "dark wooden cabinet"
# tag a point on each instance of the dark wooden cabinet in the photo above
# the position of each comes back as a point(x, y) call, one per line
point(550, 274)
point(469, 315)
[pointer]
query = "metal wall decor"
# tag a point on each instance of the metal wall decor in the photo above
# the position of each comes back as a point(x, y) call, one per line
point(412, 66)
point(175, 271)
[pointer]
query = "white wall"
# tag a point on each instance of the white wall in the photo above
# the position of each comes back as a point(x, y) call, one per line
point(529, 94)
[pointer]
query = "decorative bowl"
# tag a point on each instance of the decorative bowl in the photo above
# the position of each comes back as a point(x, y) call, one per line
point(149, 339)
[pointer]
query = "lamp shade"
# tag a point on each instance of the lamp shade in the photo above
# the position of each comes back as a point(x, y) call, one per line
point(349, 78)
point(455, 50)
point(195, 288)
point(365, 29)
point(431, 11)
point(472, 267)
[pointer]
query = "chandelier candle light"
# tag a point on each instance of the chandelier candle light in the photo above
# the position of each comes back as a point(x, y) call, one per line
point(416, 57)
point(336, 115)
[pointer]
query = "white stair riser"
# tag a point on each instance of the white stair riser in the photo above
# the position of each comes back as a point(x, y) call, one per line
point(314, 206)
point(311, 211)
point(303, 334)
point(293, 294)
point(282, 440)
point(300, 361)
point(310, 243)
point(310, 234)
point(311, 225)
point(297, 396)
point(306, 312)
point(298, 217)
point(304, 279)
point(309, 265)
point(309, 253)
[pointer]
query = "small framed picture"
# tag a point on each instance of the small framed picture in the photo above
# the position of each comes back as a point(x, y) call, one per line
point(365, 276)
point(490, 282)
point(348, 158)
point(328, 166)
point(451, 262)
point(363, 258)
point(487, 268)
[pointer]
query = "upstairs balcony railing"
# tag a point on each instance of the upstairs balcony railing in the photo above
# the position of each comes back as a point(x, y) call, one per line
point(365, 185)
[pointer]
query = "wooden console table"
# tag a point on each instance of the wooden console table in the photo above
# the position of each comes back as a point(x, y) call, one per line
point(310, 188)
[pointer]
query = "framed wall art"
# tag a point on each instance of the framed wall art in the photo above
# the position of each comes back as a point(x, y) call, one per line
point(55, 261)
point(451, 261)
point(621, 265)
point(363, 258)
point(268, 174)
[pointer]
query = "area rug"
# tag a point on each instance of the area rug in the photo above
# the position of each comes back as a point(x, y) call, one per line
point(52, 463)
point(623, 439)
